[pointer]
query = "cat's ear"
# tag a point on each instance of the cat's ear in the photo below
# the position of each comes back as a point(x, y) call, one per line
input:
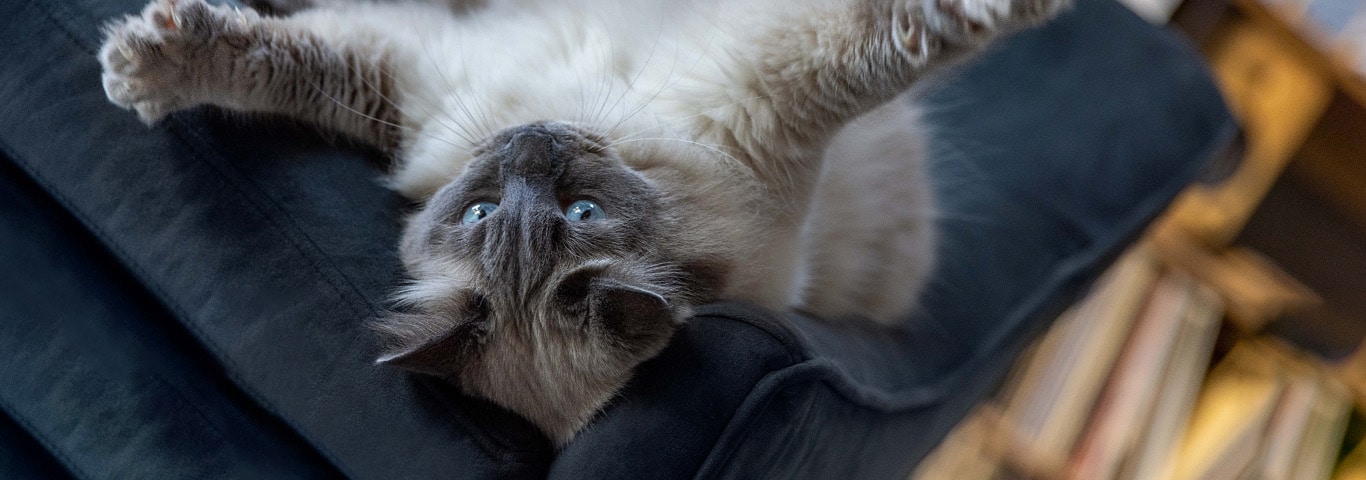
point(641, 320)
point(612, 299)
point(440, 354)
point(436, 356)
point(637, 318)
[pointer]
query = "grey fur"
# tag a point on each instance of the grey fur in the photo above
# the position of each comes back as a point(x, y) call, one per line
point(764, 171)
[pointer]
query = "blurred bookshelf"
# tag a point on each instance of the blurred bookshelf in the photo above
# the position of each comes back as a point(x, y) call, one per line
point(1229, 341)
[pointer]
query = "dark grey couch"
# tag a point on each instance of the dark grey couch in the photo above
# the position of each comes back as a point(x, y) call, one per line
point(189, 300)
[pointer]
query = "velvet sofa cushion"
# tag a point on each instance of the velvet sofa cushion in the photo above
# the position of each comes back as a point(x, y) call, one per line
point(194, 296)
point(1052, 154)
point(106, 380)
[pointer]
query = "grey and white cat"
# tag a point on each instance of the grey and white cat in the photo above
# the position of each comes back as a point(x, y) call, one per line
point(591, 170)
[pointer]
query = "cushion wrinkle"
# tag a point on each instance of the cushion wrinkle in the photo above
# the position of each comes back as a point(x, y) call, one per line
point(184, 134)
point(59, 454)
point(295, 234)
point(232, 370)
point(191, 129)
point(792, 340)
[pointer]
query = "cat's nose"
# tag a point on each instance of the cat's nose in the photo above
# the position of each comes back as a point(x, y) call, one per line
point(529, 133)
point(532, 151)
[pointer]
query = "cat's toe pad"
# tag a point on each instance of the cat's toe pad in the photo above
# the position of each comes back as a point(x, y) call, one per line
point(137, 74)
point(152, 62)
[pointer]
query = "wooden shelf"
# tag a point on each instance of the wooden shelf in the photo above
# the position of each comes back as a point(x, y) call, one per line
point(1304, 115)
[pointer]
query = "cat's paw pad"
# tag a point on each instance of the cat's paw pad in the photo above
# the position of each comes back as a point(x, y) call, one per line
point(153, 62)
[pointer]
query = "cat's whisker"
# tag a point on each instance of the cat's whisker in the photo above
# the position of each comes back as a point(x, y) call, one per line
point(485, 126)
point(585, 72)
point(429, 113)
point(463, 133)
point(600, 112)
point(662, 86)
point(358, 72)
point(339, 103)
point(380, 92)
point(436, 117)
point(700, 144)
point(579, 116)
point(464, 130)
point(669, 81)
point(603, 80)
point(684, 118)
point(393, 79)
point(630, 86)
point(666, 85)
point(459, 100)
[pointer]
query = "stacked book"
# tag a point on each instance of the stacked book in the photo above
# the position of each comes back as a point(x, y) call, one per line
point(1121, 387)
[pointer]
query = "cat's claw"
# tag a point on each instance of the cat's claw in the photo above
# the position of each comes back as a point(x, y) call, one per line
point(924, 28)
point(977, 15)
point(149, 61)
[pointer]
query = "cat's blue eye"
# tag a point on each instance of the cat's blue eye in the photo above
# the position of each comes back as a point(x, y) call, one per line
point(583, 211)
point(477, 211)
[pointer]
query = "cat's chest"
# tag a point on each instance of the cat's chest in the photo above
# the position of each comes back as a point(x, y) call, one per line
point(490, 73)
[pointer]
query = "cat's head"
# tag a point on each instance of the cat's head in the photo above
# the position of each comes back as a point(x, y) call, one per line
point(543, 275)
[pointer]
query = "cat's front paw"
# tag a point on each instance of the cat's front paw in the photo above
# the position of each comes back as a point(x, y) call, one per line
point(930, 24)
point(155, 63)
point(978, 15)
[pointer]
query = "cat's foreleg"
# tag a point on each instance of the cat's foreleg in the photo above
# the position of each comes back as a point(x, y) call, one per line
point(804, 72)
point(181, 53)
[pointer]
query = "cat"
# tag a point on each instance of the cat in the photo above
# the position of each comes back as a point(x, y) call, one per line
point(589, 171)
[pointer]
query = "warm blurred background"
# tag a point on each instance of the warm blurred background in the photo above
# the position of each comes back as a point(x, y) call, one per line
point(1229, 342)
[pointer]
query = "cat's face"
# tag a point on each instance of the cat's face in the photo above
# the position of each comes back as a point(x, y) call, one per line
point(541, 277)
